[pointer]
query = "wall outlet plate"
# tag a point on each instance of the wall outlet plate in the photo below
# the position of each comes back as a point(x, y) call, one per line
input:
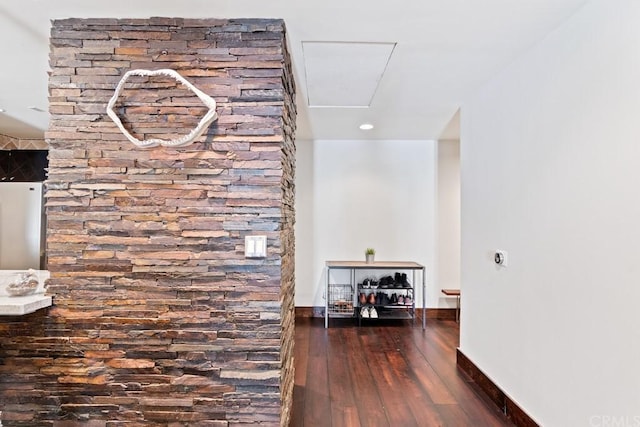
point(255, 246)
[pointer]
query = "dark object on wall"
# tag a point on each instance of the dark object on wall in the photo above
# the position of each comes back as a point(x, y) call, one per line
point(23, 165)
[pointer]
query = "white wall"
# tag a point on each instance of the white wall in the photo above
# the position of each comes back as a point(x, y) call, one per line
point(351, 195)
point(550, 173)
point(304, 227)
point(21, 227)
point(448, 218)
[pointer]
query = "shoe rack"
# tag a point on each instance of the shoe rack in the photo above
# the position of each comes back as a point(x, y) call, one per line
point(371, 292)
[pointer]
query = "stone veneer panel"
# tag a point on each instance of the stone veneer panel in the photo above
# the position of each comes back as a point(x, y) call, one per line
point(158, 318)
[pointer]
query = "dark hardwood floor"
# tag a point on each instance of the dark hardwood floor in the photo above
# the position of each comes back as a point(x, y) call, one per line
point(393, 374)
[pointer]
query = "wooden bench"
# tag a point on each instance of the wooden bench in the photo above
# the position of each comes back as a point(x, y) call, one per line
point(454, 293)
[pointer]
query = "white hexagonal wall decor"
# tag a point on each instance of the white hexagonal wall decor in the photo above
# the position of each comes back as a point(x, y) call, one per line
point(208, 118)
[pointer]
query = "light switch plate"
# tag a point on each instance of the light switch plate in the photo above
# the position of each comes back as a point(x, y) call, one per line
point(255, 246)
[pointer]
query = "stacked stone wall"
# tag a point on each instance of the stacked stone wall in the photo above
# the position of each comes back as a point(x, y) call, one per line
point(158, 317)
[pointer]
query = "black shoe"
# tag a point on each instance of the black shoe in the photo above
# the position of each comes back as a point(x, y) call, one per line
point(405, 282)
point(384, 299)
point(394, 299)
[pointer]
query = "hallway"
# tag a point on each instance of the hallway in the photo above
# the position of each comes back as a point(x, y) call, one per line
point(384, 375)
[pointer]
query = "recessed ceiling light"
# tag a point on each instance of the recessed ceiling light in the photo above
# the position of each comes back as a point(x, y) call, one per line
point(1, 110)
point(366, 126)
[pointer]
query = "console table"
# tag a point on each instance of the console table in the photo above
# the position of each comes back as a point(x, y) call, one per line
point(342, 298)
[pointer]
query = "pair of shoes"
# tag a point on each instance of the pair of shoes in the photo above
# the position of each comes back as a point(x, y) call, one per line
point(400, 281)
point(369, 284)
point(386, 282)
point(368, 313)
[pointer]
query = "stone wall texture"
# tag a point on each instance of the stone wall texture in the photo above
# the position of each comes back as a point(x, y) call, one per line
point(158, 317)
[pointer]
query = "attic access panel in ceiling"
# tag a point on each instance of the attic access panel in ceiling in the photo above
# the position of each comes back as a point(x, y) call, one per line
point(344, 74)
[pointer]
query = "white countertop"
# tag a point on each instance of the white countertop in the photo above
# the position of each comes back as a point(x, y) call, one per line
point(17, 306)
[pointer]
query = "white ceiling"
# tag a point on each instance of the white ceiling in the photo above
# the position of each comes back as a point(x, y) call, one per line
point(444, 49)
point(344, 74)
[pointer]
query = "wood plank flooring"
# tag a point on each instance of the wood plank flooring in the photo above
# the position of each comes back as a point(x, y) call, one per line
point(388, 375)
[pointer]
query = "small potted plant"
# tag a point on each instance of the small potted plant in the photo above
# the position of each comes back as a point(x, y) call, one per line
point(370, 254)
